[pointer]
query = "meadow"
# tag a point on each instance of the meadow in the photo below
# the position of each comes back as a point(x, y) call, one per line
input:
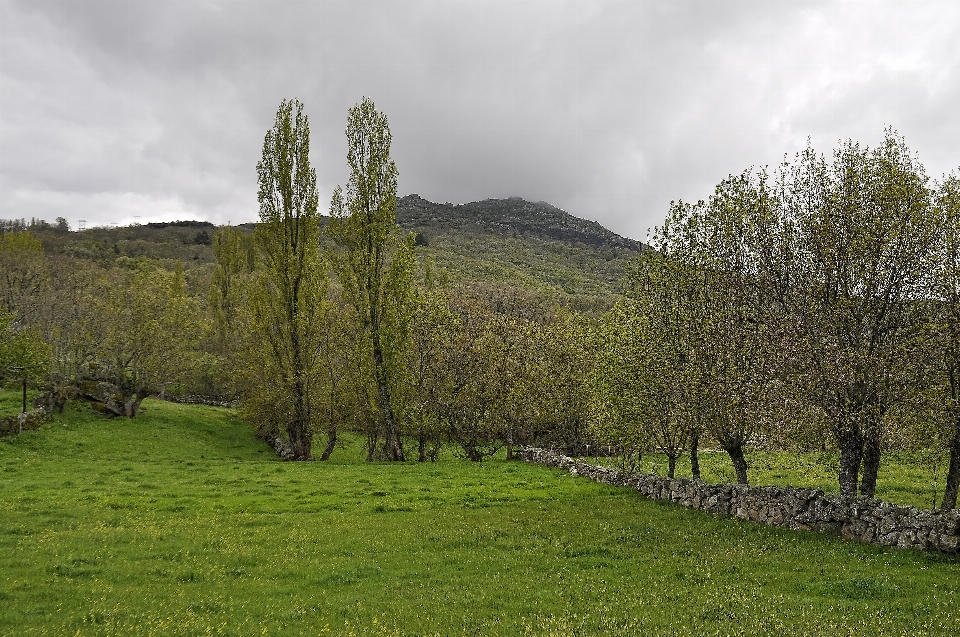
point(180, 522)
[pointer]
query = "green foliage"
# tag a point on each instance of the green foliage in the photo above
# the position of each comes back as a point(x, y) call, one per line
point(646, 373)
point(235, 260)
point(24, 355)
point(23, 274)
point(550, 400)
point(141, 330)
point(946, 328)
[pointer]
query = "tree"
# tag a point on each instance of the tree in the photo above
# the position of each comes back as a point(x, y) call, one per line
point(23, 274)
point(550, 387)
point(374, 263)
point(136, 333)
point(235, 261)
point(24, 354)
point(732, 310)
point(645, 367)
point(946, 296)
point(861, 232)
point(289, 304)
point(474, 377)
point(432, 329)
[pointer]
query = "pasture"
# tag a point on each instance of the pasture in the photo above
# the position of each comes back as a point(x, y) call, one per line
point(180, 522)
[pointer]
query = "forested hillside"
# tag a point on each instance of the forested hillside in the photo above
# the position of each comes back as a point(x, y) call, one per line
point(531, 244)
point(513, 241)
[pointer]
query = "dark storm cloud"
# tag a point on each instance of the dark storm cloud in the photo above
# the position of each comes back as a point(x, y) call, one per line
point(111, 110)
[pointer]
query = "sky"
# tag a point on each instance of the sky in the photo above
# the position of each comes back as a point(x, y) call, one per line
point(130, 111)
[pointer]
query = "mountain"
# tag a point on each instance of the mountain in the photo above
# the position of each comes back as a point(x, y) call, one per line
point(519, 242)
point(509, 217)
point(512, 241)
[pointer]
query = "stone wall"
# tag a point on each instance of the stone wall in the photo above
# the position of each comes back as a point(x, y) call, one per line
point(862, 519)
point(193, 399)
point(12, 425)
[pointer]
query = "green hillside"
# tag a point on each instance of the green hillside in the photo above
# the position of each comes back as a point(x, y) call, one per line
point(532, 245)
point(528, 244)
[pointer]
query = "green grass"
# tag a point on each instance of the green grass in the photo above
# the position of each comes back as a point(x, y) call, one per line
point(11, 400)
point(179, 522)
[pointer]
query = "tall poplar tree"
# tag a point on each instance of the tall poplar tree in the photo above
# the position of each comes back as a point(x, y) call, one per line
point(290, 303)
point(375, 262)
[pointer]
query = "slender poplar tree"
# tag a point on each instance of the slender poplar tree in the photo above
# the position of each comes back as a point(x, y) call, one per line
point(290, 304)
point(375, 263)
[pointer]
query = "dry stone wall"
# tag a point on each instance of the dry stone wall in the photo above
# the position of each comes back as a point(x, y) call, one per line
point(12, 425)
point(862, 519)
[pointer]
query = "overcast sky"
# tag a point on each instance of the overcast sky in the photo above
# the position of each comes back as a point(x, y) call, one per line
point(123, 111)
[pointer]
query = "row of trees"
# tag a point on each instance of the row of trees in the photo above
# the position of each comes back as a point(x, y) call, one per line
point(814, 307)
point(817, 302)
point(325, 328)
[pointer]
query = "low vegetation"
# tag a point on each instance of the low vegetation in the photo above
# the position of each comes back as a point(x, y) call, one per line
point(181, 522)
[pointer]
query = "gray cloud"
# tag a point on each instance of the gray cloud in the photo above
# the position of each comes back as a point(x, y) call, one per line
point(111, 110)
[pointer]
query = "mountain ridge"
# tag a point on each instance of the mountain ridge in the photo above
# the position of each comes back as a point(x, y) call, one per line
point(528, 244)
point(511, 216)
point(504, 241)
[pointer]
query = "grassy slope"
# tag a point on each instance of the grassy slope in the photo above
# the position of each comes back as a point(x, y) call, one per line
point(179, 522)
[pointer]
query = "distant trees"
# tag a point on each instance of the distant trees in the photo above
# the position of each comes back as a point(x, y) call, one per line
point(24, 273)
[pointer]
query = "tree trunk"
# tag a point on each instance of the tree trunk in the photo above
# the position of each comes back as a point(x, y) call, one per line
point(301, 448)
point(422, 447)
point(871, 461)
point(695, 454)
point(671, 466)
point(331, 443)
point(953, 472)
point(131, 405)
point(510, 443)
point(298, 431)
point(391, 444)
point(851, 453)
point(739, 461)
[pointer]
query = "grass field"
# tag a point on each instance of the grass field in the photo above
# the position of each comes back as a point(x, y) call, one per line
point(179, 522)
